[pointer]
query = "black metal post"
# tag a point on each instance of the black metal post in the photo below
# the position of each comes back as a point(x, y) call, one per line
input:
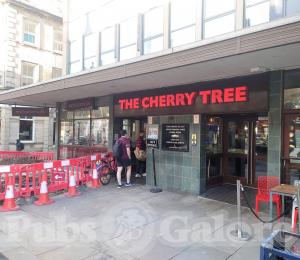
point(155, 189)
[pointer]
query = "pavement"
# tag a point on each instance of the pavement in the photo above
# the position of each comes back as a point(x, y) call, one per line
point(129, 223)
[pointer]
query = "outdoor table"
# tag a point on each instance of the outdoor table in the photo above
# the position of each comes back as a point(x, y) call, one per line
point(284, 190)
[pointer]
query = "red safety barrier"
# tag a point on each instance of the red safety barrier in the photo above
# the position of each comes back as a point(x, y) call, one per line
point(27, 178)
point(11, 157)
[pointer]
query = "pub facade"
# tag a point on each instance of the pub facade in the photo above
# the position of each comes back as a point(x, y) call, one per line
point(208, 133)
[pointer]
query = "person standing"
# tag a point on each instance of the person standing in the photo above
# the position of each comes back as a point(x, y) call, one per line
point(140, 154)
point(125, 159)
point(19, 145)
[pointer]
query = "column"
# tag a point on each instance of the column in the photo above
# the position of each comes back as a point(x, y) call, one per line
point(275, 117)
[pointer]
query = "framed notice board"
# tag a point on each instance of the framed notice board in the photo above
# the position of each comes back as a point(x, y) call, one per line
point(175, 137)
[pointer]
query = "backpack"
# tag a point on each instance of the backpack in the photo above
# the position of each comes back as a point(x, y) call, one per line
point(117, 149)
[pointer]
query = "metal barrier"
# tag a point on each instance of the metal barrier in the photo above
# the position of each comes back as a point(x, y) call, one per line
point(11, 157)
point(27, 177)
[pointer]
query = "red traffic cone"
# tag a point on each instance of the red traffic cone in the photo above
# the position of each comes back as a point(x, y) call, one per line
point(95, 181)
point(72, 192)
point(9, 203)
point(44, 196)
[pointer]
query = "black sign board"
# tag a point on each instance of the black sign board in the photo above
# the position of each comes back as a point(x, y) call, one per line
point(30, 111)
point(86, 103)
point(175, 137)
point(152, 136)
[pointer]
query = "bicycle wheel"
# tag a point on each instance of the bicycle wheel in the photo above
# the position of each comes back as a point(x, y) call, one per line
point(104, 175)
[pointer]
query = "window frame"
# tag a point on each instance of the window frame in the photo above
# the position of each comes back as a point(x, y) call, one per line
point(35, 79)
point(92, 56)
point(215, 17)
point(155, 36)
point(245, 20)
point(21, 118)
point(29, 22)
point(112, 50)
point(57, 42)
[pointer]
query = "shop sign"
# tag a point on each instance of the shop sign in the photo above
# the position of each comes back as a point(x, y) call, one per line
point(175, 137)
point(30, 111)
point(86, 103)
point(214, 96)
point(152, 136)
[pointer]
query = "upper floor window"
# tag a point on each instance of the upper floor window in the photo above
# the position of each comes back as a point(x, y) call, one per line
point(219, 17)
point(183, 20)
point(108, 43)
point(56, 72)
point(292, 7)
point(75, 56)
point(153, 30)
point(30, 73)
point(57, 40)
point(29, 31)
point(90, 50)
point(257, 12)
point(128, 38)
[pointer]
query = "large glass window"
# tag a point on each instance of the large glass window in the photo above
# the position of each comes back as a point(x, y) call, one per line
point(85, 127)
point(90, 50)
point(257, 12)
point(128, 38)
point(153, 30)
point(108, 42)
point(292, 90)
point(219, 17)
point(292, 7)
point(183, 18)
point(75, 56)
point(57, 40)
point(26, 129)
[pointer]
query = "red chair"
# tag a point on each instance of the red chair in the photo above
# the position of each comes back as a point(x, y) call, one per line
point(265, 183)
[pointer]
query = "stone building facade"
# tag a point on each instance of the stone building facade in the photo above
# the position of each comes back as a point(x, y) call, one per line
point(30, 52)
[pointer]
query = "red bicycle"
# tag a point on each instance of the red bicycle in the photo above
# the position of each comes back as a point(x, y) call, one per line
point(106, 167)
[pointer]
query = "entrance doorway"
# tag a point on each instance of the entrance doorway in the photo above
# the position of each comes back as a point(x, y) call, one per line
point(133, 127)
point(236, 149)
point(291, 148)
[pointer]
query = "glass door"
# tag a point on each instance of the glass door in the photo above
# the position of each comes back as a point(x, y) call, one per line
point(291, 159)
point(237, 150)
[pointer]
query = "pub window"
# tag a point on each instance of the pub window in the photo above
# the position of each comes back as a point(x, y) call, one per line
point(257, 12)
point(85, 127)
point(128, 38)
point(219, 17)
point(292, 90)
point(108, 39)
point(26, 129)
point(90, 50)
point(29, 31)
point(153, 30)
point(30, 73)
point(183, 20)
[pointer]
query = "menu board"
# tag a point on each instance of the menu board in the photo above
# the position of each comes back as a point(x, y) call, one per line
point(175, 137)
point(152, 136)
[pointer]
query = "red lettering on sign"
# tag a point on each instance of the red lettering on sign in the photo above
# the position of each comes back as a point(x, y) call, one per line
point(162, 101)
point(153, 101)
point(170, 101)
point(122, 102)
point(205, 95)
point(136, 103)
point(180, 99)
point(228, 95)
point(145, 102)
point(216, 96)
point(241, 94)
point(190, 98)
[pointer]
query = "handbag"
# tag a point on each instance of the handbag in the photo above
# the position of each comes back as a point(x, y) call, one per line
point(141, 155)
